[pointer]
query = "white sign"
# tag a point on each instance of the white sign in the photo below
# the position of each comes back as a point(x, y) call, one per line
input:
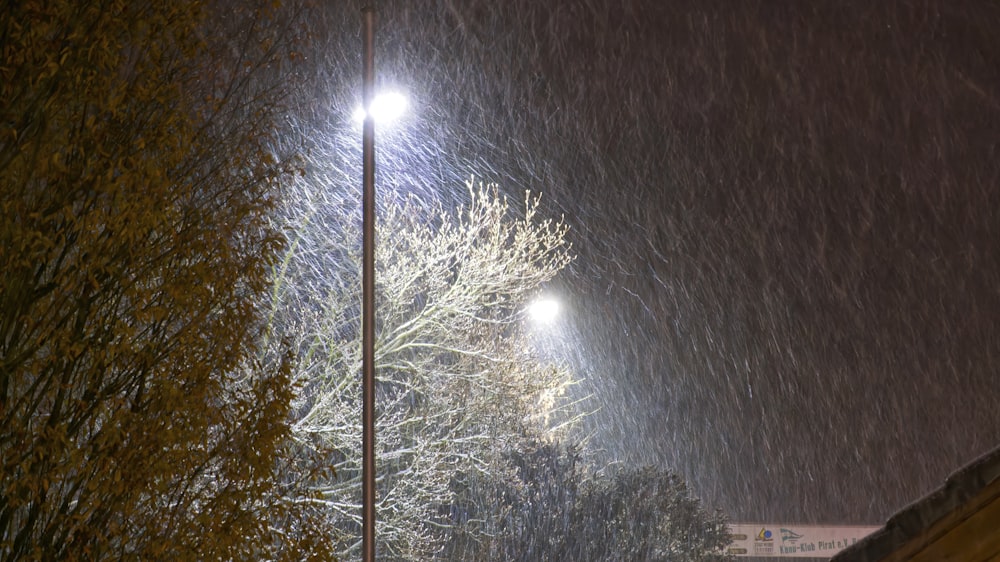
point(793, 541)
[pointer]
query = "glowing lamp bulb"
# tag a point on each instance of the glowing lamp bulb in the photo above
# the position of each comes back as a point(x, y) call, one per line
point(385, 108)
point(544, 311)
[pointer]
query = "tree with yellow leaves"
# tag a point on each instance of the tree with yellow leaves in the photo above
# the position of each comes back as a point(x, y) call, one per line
point(137, 420)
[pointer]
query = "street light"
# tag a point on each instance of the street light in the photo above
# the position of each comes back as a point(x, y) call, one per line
point(384, 108)
point(376, 108)
point(368, 295)
point(543, 310)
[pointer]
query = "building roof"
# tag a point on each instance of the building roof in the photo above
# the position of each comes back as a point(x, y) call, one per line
point(959, 521)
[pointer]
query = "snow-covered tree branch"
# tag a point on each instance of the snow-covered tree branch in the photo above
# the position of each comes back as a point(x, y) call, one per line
point(458, 380)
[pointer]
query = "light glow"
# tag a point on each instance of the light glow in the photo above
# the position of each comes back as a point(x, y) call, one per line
point(544, 310)
point(385, 108)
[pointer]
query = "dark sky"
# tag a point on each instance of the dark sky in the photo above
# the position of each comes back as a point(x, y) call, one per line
point(785, 215)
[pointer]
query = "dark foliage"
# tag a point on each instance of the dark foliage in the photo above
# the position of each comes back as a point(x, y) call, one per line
point(551, 509)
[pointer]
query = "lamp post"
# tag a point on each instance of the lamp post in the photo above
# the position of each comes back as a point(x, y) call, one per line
point(368, 295)
point(384, 107)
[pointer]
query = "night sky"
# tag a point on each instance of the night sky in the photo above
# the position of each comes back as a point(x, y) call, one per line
point(785, 216)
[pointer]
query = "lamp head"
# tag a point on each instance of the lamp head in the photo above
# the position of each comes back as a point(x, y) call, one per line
point(385, 108)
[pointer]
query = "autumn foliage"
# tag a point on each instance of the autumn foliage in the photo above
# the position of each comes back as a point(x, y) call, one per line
point(135, 183)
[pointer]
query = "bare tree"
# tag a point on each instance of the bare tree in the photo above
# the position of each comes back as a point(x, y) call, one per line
point(457, 377)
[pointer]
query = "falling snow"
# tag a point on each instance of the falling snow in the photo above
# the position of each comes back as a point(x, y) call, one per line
point(785, 216)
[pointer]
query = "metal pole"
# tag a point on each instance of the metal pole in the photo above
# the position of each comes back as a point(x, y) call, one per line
point(368, 297)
